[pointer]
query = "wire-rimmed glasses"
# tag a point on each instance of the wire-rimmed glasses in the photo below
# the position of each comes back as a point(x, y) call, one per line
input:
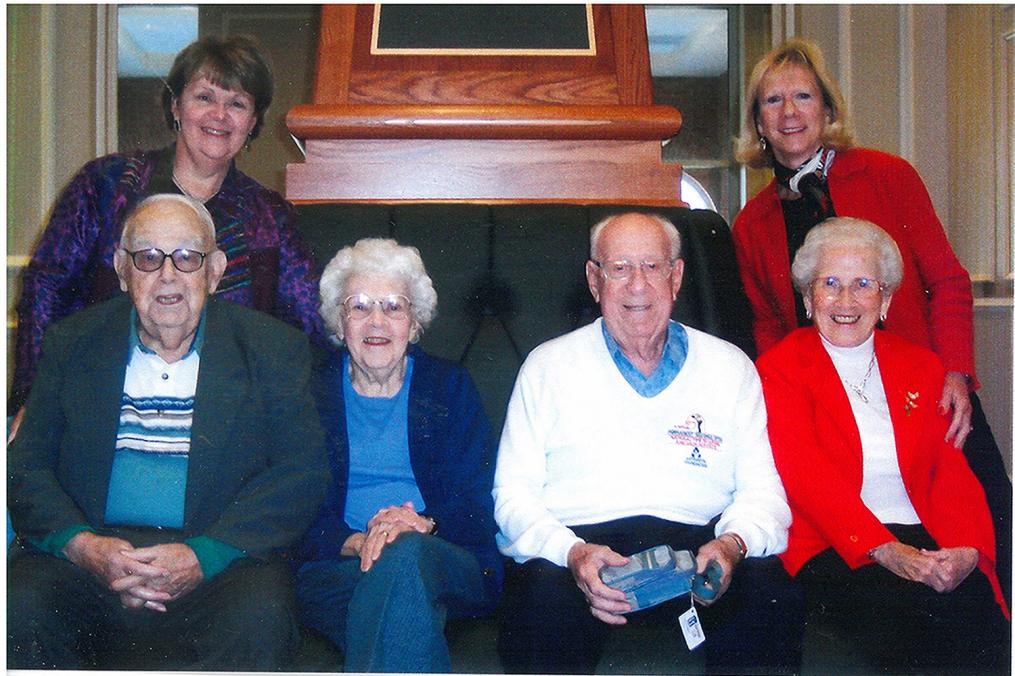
point(360, 306)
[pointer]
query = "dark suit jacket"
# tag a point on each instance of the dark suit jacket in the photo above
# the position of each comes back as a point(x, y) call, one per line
point(257, 472)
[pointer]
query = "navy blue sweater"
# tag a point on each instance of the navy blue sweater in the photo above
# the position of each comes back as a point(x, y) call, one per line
point(452, 457)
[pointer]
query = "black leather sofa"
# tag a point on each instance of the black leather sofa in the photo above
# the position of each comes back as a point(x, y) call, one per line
point(508, 277)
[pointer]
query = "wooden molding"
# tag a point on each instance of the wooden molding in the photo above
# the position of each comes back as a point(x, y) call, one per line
point(484, 122)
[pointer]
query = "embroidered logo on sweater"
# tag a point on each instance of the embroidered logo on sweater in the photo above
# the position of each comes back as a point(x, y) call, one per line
point(691, 433)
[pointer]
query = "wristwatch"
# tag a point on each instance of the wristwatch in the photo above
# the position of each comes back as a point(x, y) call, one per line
point(433, 523)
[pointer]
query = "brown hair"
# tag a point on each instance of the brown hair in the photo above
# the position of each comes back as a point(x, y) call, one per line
point(232, 62)
point(802, 52)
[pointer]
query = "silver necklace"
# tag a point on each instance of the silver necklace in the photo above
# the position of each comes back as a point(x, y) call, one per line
point(202, 200)
point(863, 384)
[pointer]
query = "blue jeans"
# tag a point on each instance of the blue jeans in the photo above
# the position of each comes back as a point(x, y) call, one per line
point(392, 617)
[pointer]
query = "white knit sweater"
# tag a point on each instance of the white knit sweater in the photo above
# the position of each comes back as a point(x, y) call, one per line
point(580, 446)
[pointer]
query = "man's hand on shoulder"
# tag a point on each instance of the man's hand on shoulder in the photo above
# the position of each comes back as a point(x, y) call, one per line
point(585, 561)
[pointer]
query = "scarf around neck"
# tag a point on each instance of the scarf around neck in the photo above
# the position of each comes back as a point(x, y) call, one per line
point(814, 205)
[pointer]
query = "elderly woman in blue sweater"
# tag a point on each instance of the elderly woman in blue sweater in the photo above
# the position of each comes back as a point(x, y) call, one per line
point(406, 536)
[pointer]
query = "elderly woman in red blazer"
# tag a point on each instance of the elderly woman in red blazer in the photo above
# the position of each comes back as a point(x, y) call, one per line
point(796, 123)
point(890, 528)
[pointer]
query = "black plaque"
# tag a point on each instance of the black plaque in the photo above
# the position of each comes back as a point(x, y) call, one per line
point(483, 29)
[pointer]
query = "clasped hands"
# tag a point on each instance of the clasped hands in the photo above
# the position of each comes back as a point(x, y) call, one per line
point(942, 570)
point(386, 525)
point(148, 577)
point(585, 560)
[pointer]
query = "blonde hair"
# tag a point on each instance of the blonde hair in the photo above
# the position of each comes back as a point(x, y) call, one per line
point(838, 135)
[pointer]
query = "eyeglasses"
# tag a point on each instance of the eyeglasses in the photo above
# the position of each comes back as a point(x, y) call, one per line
point(862, 288)
point(360, 306)
point(150, 260)
point(654, 271)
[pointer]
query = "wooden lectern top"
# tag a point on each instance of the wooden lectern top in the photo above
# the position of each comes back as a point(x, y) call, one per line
point(430, 98)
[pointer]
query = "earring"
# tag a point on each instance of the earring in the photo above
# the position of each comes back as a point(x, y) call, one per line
point(884, 316)
point(808, 313)
point(176, 124)
point(764, 143)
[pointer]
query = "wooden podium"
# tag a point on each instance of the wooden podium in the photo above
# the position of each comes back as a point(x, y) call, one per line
point(403, 113)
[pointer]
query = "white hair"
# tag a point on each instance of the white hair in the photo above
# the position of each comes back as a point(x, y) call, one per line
point(165, 200)
point(844, 231)
point(672, 234)
point(379, 257)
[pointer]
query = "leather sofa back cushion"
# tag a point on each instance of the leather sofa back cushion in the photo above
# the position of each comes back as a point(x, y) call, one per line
point(509, 277)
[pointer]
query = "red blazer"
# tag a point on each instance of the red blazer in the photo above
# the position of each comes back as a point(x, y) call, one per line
point(816, 445)
point(934, 305)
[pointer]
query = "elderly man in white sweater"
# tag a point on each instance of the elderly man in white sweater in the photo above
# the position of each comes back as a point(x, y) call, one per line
point(628, 433)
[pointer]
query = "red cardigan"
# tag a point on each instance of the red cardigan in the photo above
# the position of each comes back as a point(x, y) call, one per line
point(817, 449)
point(934, 305)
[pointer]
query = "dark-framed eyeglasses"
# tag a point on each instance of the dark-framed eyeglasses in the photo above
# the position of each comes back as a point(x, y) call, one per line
point(862, 288)
point(150, 260)
point(359, 306)
point(654, 271)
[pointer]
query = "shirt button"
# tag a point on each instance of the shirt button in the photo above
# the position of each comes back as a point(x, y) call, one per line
point(165, 376)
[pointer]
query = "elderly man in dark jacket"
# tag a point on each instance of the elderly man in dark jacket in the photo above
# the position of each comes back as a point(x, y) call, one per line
point(169, 449)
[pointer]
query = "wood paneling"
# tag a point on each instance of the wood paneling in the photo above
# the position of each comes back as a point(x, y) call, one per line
point(489, 171)
point(481, 87)
point(458, 79)
point(630, 41)
point(334, 54)
point(617, 74)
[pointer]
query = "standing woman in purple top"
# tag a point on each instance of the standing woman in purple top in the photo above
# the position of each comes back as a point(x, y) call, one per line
point(215, 99)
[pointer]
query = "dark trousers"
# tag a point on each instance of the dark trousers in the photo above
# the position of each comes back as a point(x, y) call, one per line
point(756, 627)
point(59, 616)
point(984, 458)
point(906, 627)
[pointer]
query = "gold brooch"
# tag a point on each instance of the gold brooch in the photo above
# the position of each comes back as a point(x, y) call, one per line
point(911, 398)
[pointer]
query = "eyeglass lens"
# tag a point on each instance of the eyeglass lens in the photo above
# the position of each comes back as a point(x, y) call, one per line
point(654, 270)
point(861, 287)
point(184, 260)
point(361, 306)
